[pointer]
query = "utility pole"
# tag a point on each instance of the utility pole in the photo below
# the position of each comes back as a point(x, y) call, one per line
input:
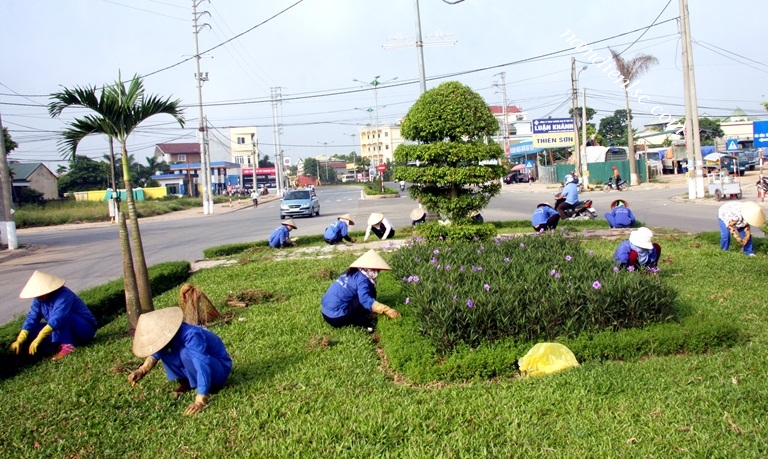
point(505, 120)
point(275, 93)
point(420, 49)
point(575, 100)
point(584, 161)
point(692, 135)
point(254, 160)
point(7, 222)
point(204, 175)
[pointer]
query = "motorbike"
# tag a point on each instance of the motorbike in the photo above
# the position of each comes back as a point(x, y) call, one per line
point(583, 210)
point(579, 186)
point(402, 186)
point(610, 185)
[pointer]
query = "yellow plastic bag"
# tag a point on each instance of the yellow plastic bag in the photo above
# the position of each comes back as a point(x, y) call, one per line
point(547, 358)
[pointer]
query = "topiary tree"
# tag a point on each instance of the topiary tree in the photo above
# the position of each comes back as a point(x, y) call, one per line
point(454, 171)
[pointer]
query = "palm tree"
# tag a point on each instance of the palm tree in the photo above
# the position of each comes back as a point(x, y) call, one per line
point(629, 70)
point(119, 109)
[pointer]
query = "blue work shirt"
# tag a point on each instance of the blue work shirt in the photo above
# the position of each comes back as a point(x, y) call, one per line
point(625, 248)
point(622, 217)
point(279, 236)
point(571, 193)
point(541, 215)
point(201, 347)
point(336, 230)
point(346, 293)
point(59, 307)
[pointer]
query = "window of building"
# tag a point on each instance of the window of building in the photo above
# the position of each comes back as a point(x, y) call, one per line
point(239, 160)
point(241, 140)
point(181, 158)
point(386, 147)
point(386, 134)
point(520, 117)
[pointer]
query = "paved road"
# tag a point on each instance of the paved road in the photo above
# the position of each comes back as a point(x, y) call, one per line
point(88, 254)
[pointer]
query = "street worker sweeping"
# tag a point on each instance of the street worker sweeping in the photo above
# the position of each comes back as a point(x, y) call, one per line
point(281, 237)
point(380, 226)
point(193, 356)
point(68, 321)
point(350, 300)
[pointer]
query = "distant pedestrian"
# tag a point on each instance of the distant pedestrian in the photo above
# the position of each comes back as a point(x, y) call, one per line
point(255, 197)
point(281, 237)
point(339, 230)
point(112, 199)
point(620, 216)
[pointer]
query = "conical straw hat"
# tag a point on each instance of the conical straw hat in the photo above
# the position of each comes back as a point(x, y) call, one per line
point(752, 214)
point(417, 213)
point(41, 283)
point(290, 223)
point(347, 218)
point(370, 260)
point(155, 330)
point(616, 203)
point(375, 218)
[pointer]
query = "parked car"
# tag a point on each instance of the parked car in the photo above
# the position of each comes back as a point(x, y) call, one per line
point(297, 203)
point(516, 177)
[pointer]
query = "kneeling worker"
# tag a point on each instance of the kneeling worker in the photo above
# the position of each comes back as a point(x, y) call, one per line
point(191, 355)
point(544, 218)
point(281, 237)
point(639, 250)
point(620, 216)
point(418, 216)
point(380, 226)
point(68, 321)
point(339, 230)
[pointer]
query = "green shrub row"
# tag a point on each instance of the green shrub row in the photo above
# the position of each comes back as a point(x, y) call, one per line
point(105, 301)
point(530, 288)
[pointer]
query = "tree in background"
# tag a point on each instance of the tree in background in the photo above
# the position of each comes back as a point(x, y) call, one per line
point(630, 69)
point(10, 144)
point(264, 161)
point(455, 175)
point(710, 130)
point(84, 174)
point(117, 111)
point(613, 129)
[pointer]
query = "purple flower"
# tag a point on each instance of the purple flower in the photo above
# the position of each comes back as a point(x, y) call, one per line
point(447, 267)
point(462, 269)
point(479, 251)
point(553, 272)
point(541, 230)
point(438, 266)
point(557, 276)
point(415, 278)
point(407, 300)
point(441, 238)
point(482, 247)
point(455, 297)
point(470, 304)
point(433, 260)
point(630, 268)
point(447, 284)
point(568, 258)
point(522, 245)
point(596, 285)
point(436, 251)
point(591, 252)
point(405, 279)
point(506, 260)
point(417, 259)
point(654, 270)
point(487, 287)
point(615, 269)
point(391, 244)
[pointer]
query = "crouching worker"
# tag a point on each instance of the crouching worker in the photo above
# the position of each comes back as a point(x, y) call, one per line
point(380, 226)
point(281, 237)
point(620, 216)
point(339, 230)
point(639, 250)
point(193, 356)
point(544, 218)
point(736, 218)
point(351, 299)
point(68, 321)
point(418, 216)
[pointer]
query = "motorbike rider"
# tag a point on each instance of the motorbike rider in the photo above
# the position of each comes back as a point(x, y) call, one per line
point(570, 195)
point(402, 185)
point(616, 178)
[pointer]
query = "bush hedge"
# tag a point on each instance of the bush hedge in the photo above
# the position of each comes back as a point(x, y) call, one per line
point(106, 302)
point(529, 288)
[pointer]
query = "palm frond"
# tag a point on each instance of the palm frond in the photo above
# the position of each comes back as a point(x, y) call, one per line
point(632, 68)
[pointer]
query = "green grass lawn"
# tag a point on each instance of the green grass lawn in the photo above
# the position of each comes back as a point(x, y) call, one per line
point(302, 389)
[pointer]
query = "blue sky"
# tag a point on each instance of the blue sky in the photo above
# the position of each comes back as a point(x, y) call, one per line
point(316, 48)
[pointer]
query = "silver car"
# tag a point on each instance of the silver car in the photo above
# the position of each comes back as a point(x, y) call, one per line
point(297, 203)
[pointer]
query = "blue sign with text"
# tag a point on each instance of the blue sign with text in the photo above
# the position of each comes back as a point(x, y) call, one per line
point(760, 133)
point(552, 125)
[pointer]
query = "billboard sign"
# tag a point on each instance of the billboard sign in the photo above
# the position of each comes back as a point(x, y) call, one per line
point(760, 133)
point(553, 133)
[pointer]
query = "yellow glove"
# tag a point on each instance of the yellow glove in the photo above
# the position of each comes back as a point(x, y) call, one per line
point(19, 340)
point(379, 308)
point(47, 330)
point(139, 373)
point(198, 405)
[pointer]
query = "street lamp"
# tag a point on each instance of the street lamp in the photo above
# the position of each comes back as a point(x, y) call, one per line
point(376, 83)
point(325, 145)
point(354, 152)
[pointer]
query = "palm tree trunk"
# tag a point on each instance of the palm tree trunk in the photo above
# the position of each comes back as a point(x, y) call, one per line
point(139, 261)
point(634, 179)
point(132, 307)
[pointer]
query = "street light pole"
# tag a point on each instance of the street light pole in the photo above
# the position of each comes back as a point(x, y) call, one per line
point(375, 83)
point(325, 145)
point(575, 113)
point(354, 152)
